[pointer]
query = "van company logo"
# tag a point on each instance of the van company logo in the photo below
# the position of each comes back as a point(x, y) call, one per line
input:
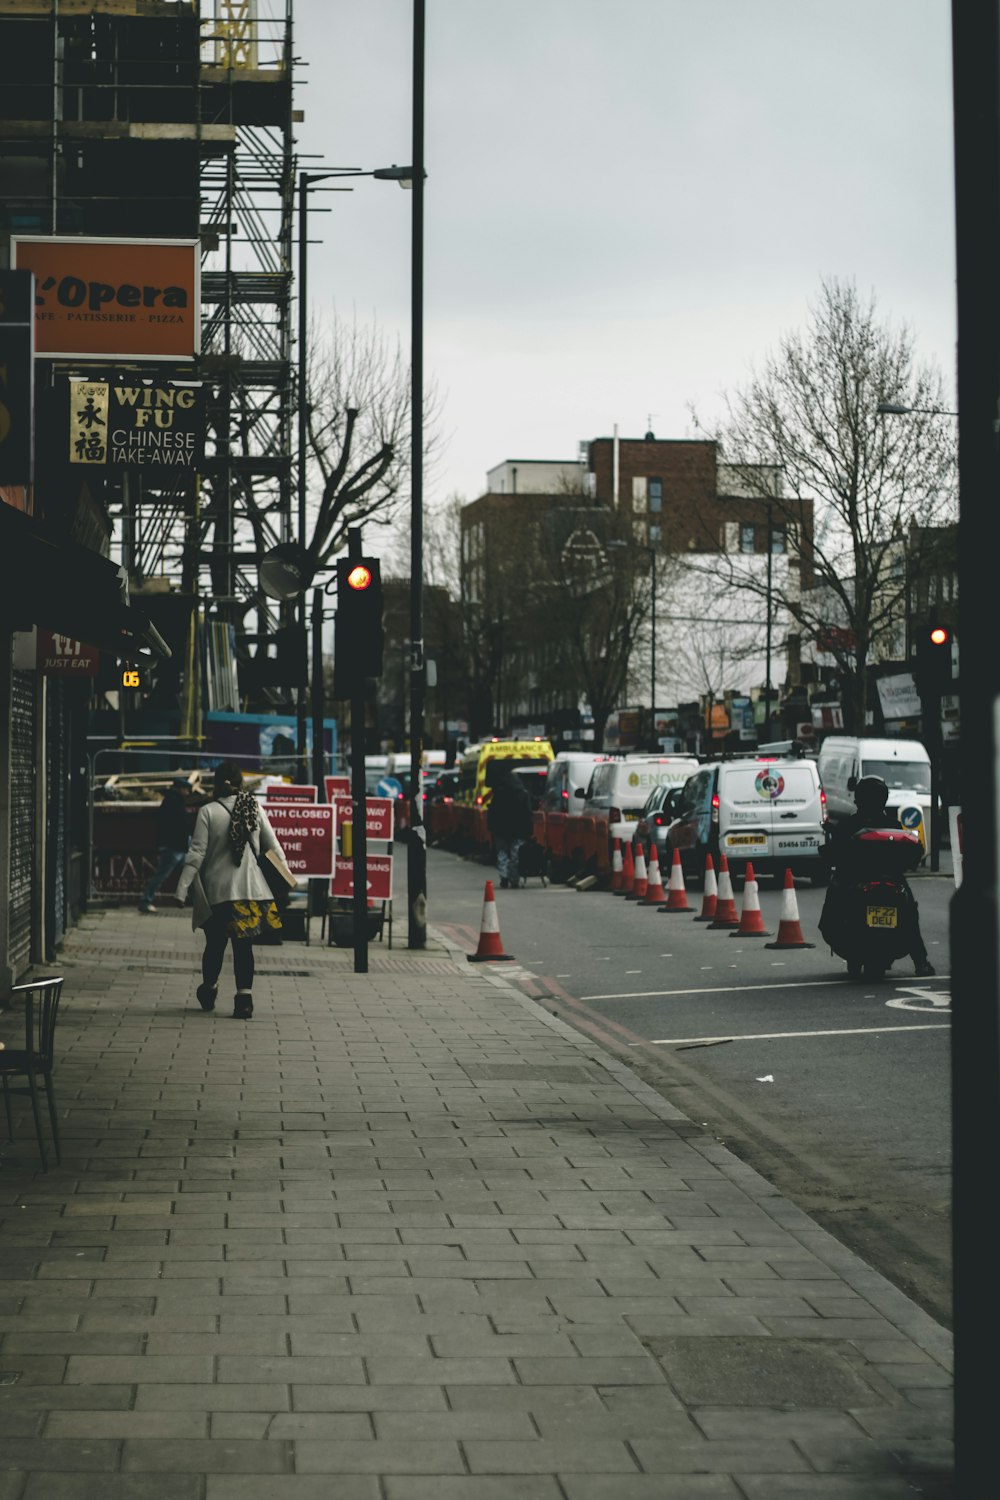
point(633, 778)
point(769, 785)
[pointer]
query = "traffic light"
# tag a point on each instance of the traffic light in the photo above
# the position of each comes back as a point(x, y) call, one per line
point(934, 674)
point(358, 636)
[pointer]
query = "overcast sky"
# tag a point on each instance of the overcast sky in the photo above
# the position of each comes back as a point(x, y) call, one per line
point(627, 203)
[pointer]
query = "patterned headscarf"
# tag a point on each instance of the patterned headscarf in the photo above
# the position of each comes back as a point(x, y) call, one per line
point(245, 820)
point(245, 815)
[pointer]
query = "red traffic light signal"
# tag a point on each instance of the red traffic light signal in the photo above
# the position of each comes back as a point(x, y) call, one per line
point(939, 635)
point(358, 637)
point(359, 577)
point(934, 668)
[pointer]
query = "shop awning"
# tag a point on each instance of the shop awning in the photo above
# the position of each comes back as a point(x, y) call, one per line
point(49, 580)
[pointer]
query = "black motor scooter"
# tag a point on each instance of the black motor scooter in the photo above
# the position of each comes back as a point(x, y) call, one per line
point(870, 913)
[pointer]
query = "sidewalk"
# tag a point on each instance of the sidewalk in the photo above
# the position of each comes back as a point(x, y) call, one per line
point(409, 1230)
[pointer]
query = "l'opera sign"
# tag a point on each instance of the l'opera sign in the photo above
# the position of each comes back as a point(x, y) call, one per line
point(121, 297)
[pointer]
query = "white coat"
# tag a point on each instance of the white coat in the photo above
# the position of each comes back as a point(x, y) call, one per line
point(211, 856)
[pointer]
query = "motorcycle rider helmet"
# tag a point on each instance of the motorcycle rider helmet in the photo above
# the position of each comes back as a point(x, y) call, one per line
point(870, 796)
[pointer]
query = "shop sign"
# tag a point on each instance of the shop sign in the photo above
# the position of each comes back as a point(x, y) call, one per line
point(898, 696)
point(285, 792)
point(129, 298)
point(379, 878)
point(378, 816)
point(17, 383)
point(54, 655)
point(305, 833)
point(136, 425)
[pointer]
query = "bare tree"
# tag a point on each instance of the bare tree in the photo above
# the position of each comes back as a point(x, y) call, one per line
point(359, 426)
point(806, 437)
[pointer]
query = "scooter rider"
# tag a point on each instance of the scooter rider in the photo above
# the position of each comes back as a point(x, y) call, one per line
point(870, 797)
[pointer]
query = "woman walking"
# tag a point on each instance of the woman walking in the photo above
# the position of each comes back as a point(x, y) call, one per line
point(229, 835)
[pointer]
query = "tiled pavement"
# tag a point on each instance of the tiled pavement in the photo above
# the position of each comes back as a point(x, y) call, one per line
point(407, 1237)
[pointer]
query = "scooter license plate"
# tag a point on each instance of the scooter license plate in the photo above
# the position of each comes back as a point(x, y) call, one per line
point(882, 916)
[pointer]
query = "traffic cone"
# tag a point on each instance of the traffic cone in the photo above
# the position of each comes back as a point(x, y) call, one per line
point(617, 867)
point(640, 879)
point(751, 921)
point(676, 890)
point(628, 872)
point(710, 899)
point(654, 883)
point(789, 927)
point(490, 948)
point(726, 914)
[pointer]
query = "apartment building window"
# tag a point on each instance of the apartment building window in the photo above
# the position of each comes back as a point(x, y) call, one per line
point(654, 533)
point(639, 492)
point(779, 540)
point(748, 537)
point(656, 494)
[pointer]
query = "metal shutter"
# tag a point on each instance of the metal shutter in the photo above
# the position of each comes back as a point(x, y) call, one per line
point(22, 816)
point(57, 811)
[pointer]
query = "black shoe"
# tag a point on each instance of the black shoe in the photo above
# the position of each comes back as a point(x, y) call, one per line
point(242, 1007)
point(924, 969)
point(206, 994)
point(505, 885)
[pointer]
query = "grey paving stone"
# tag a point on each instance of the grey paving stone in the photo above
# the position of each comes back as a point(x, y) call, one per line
point(287, 1425)
point(479, 1487)
point(582, 1455)
point(771, 1455)
point(250, 1397)
point(60, 1455)
point(143, 1369)
point(65, 1397)
point(51, 1486)
point(417, 1457)
point(293, 1487)
point(620, 1370)
point(368, 1398)
point(459, 1426)
point(204, 1456)
point(127, 1424)
point(825, 1487)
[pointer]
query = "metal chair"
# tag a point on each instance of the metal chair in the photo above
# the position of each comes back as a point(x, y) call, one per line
point(35, 1060)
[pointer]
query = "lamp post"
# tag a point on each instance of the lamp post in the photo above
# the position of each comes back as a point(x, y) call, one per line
point(767, 666)
point(416, 849)
point(890, 409)
point(620, 546)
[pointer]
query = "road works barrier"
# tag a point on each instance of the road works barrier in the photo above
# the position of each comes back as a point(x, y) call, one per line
point(676, 890)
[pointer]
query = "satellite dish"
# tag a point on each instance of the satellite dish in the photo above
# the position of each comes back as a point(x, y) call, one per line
point(286, 571)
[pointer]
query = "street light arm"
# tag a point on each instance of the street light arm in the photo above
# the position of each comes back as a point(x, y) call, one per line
point(891, 409)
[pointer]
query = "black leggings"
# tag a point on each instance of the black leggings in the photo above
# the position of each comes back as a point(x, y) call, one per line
point(216, 938)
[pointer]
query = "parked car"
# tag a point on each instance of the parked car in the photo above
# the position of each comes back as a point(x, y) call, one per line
point(618, 788)
point(440, 786)
point(653, 827)
point(762, 809)
point(569, 771)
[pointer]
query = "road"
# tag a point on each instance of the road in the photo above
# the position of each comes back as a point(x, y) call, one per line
point(838, 1093)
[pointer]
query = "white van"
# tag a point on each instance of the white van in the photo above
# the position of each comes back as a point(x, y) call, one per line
point(766, 809)
point(567, 773)
point(618, 788)
point(903, 765)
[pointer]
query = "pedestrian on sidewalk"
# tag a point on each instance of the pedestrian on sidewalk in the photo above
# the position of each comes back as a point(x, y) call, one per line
point(229, 835)
point(508, 818)
point(173, 835)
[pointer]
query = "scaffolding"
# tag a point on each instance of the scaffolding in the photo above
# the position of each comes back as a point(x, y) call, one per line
point(173, 119)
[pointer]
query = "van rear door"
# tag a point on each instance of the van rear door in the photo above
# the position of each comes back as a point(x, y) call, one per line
point(797, 812)
point(746, 817)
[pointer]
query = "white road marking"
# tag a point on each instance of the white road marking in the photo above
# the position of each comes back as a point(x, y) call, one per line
point(938, 999)
point(728, 989)
point(633, 971)
point(779, 1036)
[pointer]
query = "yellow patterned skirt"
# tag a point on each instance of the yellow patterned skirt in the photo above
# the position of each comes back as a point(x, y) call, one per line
point(258, 920)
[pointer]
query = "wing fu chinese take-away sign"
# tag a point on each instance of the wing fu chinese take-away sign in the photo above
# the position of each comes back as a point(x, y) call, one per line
point(141, 424)
point(305, 833)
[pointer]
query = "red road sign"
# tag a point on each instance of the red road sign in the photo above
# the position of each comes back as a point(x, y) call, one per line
point(339, 786)
point(277, 792)
point(305, 833)
point(378, 816)
point(379, 878)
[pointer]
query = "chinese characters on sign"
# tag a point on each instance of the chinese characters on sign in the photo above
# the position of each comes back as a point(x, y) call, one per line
point(136, 425)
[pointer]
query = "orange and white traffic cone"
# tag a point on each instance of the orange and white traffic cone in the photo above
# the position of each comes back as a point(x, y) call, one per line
point(639, 879)
point(490, 948)
point(628, 871)
point(789, 927)
point(751, 921)
point(617, 867)
point(726, 914)
point(654, 883)
point(676, 890)
point(710, 899)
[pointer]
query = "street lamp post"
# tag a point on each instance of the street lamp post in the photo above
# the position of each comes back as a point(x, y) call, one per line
point(416, 849)
point(767, 667)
